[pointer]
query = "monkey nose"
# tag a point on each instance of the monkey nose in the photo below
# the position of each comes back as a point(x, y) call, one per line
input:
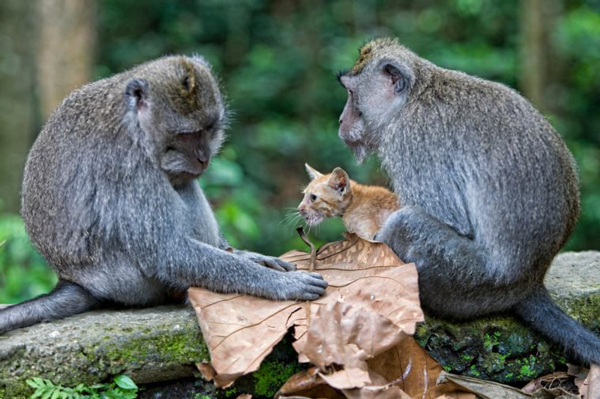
point(201, 157)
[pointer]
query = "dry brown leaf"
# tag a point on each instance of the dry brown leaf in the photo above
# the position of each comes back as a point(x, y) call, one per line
point(244, 396)
point(207, 370)
point(482, 388)
point(241, 331)
point(543, 381)
point(590, 389)
point(379, 389)
point(301, 381)
point(346, 336)
point(307, 384)
point(409, 367)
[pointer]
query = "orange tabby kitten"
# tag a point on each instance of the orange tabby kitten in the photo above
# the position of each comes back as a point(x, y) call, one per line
point(363, 209)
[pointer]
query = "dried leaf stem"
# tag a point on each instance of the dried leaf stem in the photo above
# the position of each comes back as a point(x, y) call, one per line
point(311, 267)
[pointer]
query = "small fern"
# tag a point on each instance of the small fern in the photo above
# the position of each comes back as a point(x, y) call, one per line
point(122, 387)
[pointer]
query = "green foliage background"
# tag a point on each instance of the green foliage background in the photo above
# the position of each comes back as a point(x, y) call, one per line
point(277, 61)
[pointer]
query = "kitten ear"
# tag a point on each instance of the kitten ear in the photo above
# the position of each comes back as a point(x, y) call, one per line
point(339, 180)
point(312, 173)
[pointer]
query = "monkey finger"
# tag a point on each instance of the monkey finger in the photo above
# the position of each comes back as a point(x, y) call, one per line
point(287, 266)
point(271, 265)
point(308, 296)
point(318, 281)
point(316, 290)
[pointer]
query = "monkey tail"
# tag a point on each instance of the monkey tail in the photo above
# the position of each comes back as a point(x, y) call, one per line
point(66, 299)
point(544, 316)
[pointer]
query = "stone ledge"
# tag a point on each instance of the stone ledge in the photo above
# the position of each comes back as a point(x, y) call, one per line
point(163, 343)
point(502, 348)
point(149, 345)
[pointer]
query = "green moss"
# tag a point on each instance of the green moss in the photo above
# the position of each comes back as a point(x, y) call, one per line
point(525, 371)
point(586, 310)
point(106, 357)
point(474, 372)
point(271, 376)
point(176, 348)
point(490, 348)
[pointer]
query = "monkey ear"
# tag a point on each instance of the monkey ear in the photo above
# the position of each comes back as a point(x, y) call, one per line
point(339, 180)
point(312, 173)
point(396, 79)
point(136, 94)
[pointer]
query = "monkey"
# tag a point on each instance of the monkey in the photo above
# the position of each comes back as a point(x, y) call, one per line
point(490, 191)
point(110, 199)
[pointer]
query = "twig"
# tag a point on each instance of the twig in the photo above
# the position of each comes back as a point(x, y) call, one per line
point(313, 249)
point(311, 266)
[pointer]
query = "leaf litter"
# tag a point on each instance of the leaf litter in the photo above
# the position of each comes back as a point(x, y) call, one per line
point(358, 335)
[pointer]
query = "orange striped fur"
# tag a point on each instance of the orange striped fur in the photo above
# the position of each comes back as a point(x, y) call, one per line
point(363, 209)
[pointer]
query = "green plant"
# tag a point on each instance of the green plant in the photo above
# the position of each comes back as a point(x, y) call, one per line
point(122, 387)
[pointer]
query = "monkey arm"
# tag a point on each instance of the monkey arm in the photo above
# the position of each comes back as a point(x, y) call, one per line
point(223, 243)
point(455, 278)
point(265, 260)
point(186, 262)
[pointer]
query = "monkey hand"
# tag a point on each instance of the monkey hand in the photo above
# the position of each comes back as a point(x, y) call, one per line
point(402, 229)
point(268, 261)
point(296, 286)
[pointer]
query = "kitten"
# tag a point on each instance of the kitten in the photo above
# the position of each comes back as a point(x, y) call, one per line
point(363, 209)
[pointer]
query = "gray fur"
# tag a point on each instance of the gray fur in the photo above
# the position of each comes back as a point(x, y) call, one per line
point(111, 200)
point(489, 190)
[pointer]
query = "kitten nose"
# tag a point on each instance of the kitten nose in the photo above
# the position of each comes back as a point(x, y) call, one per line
point(302, 210)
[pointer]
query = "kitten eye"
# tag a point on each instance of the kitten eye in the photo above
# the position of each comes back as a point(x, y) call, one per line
point(313, 197)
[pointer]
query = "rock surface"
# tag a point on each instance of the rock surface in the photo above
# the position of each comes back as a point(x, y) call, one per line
point(161, 344)
point(504, 349)
point(149, 345)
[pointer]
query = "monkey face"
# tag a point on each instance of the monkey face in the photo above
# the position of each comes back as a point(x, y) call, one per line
point(187, 154)
point(183, 117)
point(378, 87)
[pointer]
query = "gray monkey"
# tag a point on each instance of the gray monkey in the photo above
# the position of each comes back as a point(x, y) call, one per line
point(110, 199)
point(490, 191)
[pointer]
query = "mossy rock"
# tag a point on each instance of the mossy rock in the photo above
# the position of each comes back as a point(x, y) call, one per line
point(163, 344)
point(149, 345)
point(504, 349)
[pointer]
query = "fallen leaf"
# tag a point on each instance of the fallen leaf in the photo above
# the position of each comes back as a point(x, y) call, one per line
point(379, 389)
point(590, 389)
point(409, 367)
point(207, 371)
point(554, 393)
point(346, 336)
point(241, 331)
point(482, 388)
point(545, 381)
point(309, 384)
point(244, 396)
point(301, 381)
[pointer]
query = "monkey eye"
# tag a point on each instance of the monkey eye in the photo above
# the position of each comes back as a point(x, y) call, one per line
point(210, 126)
point(313, 197)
